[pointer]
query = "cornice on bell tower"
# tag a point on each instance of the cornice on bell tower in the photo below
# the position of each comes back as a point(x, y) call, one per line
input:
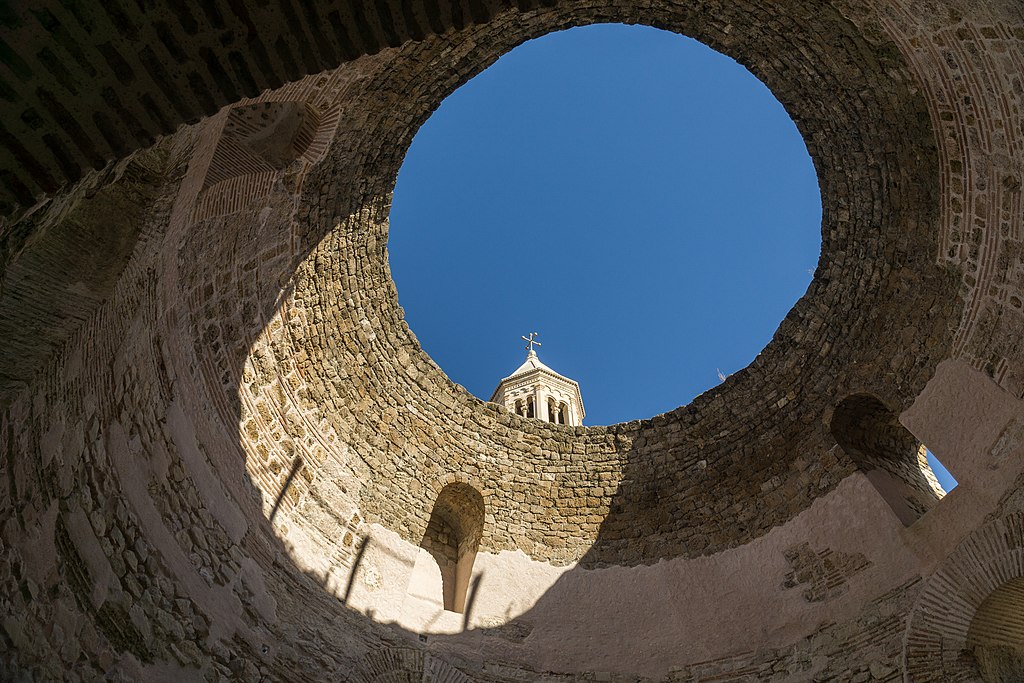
point(535, 390)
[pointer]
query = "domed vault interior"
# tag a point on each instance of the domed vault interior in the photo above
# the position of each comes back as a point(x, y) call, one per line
point(227, 458)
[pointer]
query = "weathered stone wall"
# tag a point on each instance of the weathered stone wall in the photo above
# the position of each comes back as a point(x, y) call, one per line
point(235, 403)
point(637, 489)
point(872, 436)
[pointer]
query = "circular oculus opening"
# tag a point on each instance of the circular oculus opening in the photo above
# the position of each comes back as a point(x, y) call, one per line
point(640, 200)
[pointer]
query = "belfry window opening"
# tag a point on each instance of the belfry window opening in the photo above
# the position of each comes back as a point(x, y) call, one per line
point(549, 396)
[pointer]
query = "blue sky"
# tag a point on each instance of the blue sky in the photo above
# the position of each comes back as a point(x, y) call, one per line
point(642, 202)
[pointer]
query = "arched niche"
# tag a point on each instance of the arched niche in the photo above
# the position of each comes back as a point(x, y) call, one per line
point(892, 459)
point(258, 141)
point(996, 635)
point(453, 537)
point(967, 622)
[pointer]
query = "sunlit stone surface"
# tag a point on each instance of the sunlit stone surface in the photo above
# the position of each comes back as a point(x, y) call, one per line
point(227, 458)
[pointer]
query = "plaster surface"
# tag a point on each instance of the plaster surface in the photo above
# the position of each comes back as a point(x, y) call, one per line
point(210, 398)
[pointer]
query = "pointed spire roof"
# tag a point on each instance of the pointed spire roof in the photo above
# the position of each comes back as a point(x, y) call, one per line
point(531, 363)
point(532, 368)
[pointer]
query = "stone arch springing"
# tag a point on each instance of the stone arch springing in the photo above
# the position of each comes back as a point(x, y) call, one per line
point(892, 459)
point(453, 537)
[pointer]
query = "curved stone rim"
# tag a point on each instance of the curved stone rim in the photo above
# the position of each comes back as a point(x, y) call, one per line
point(871, 140)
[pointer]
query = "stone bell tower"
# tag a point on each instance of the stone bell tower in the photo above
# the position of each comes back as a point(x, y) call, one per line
point(535, 390)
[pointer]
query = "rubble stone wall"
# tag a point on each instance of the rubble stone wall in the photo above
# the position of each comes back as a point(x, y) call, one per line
point(228, 402)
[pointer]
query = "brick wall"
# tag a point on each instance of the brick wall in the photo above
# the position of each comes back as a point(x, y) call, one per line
point(244, 353)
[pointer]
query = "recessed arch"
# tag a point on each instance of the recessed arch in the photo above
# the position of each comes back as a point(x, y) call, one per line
point(893, 459)
point(874, 318)
point(880, 211)
point(960, 628)
point(996, 634)
point(452, 538)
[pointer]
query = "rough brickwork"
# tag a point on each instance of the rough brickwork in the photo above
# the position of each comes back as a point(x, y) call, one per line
point(940, 642)
point(86, 83)
point(636, 489)
point(822, 575)
point(871, 435)
point(222, 446)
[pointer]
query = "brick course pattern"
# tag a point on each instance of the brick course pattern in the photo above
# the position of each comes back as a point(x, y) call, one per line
point(210, 397)
point(822, 575)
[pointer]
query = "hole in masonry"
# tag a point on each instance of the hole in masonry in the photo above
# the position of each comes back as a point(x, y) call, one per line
point(896, 463)
point(641, 200)
point(942, 475)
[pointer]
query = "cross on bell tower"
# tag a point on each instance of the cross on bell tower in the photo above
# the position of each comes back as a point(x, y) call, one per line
point(535, 390)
